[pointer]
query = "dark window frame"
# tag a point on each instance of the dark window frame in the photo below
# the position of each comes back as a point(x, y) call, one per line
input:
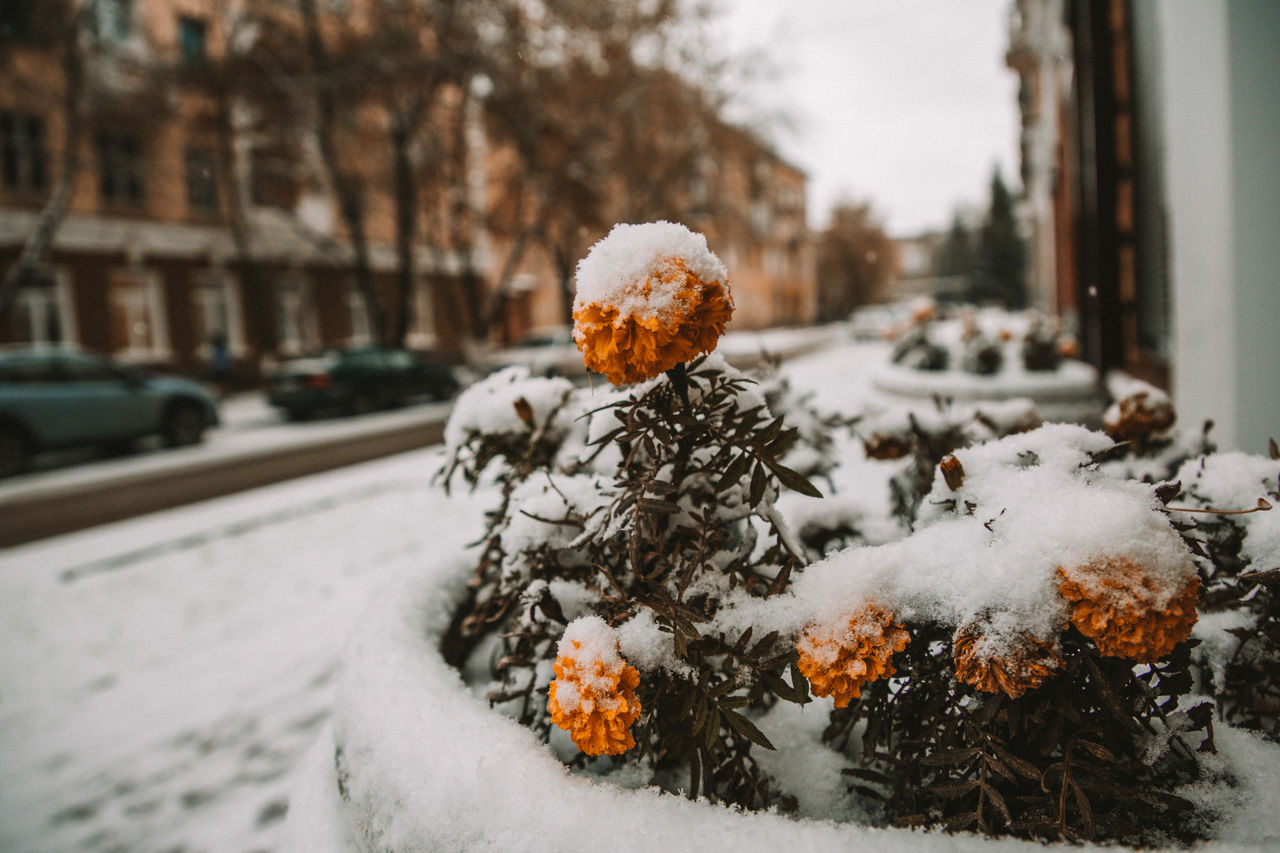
point(24, 158)
point(202, 181)
point(18, 21)
point(193, 39)
point(121, 169)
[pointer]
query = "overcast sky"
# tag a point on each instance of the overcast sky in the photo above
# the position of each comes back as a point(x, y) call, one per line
point(906, 103)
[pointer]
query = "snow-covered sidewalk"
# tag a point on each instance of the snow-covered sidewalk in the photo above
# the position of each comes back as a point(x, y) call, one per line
point(159, 677)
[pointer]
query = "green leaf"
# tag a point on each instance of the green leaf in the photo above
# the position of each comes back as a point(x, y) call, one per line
point(951, 790)
point(712, 730)
point(733, 473)
point(768, 434)
point(657, 507)
point(747, 729)
point(783, 690)
point(798, 681)
point(784, 442)
point(998, 801)
point(791, 479)
point(758, 482)
point(763, 645)
point(949, 757)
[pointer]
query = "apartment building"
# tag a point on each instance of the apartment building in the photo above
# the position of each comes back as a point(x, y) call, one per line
point(188, 227)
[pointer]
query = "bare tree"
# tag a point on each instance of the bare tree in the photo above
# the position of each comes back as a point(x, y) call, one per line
point(63, 20)
point(607, 124)
point(856, 259)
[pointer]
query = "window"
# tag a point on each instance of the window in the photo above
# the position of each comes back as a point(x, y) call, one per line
point(422, 330)
point(361, 329)
point(273, 182)
point(120, 168)
point(216, 303)
point(18, 20)
point(202, 183)
point(112, 20)
point(296, 315)
point(191, 40)
point(22, 152)
point(138, 329)
point(42, 310)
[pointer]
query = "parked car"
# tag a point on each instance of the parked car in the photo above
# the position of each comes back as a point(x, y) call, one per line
point(357, 380)
point(52, 398)
point(548, 351)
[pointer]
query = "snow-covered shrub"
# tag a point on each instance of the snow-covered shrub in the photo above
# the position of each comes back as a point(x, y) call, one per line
point(926, 435)
point(917, 350)
point(1223, 502)
point(1016, 658)
point(1042, 691)
point(1042, 346)
point(594, 594)
point(645, 556)
point(980, 354)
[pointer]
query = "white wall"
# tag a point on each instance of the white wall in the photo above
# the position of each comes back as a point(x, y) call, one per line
point(1254, 29)
point(1221, 88)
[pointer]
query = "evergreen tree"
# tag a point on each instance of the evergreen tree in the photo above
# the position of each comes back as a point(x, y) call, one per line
point(955, 258)
point(1002, 254)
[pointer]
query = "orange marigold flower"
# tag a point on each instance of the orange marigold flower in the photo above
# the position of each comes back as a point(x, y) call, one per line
point(839, 659)
point(650, 297)
point(593, 696)
point(1119, 606)
point(1011, 668)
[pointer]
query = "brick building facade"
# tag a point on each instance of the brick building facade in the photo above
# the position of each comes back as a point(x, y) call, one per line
point(182, 231)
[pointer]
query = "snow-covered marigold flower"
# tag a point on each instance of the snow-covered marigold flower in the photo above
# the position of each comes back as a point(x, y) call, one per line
point(1139, 416)
point(996, 664)
point(838, 659)
point(593, 696)
point(1129, 611)
point(649, 297)
point(881, 445)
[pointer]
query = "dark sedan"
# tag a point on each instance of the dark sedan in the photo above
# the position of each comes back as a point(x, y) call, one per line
point(53, 398)
point(355, 381)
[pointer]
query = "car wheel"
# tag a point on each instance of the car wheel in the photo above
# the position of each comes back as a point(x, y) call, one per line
point(184, 425)
point(297, 414)
point(15, 452)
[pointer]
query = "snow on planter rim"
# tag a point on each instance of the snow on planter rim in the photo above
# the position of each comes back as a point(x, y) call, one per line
point(427, 766)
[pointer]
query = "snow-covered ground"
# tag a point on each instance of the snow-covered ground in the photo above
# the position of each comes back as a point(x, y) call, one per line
point(160, 676)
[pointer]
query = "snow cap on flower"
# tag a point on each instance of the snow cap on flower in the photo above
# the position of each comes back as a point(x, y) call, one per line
point(1129, 609)
point(649, 297)
point(593, 696)
point(838, 659)
point(997, 664)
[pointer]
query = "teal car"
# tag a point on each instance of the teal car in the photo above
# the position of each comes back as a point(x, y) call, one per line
point(53, 398)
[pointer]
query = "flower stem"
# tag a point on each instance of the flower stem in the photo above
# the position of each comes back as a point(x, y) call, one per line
point(680, 381)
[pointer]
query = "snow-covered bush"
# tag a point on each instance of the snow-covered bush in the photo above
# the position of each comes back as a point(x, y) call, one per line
point(1019, 654)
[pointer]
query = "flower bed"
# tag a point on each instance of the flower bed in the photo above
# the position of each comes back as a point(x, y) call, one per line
point(425, 764)
point(651, 647)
